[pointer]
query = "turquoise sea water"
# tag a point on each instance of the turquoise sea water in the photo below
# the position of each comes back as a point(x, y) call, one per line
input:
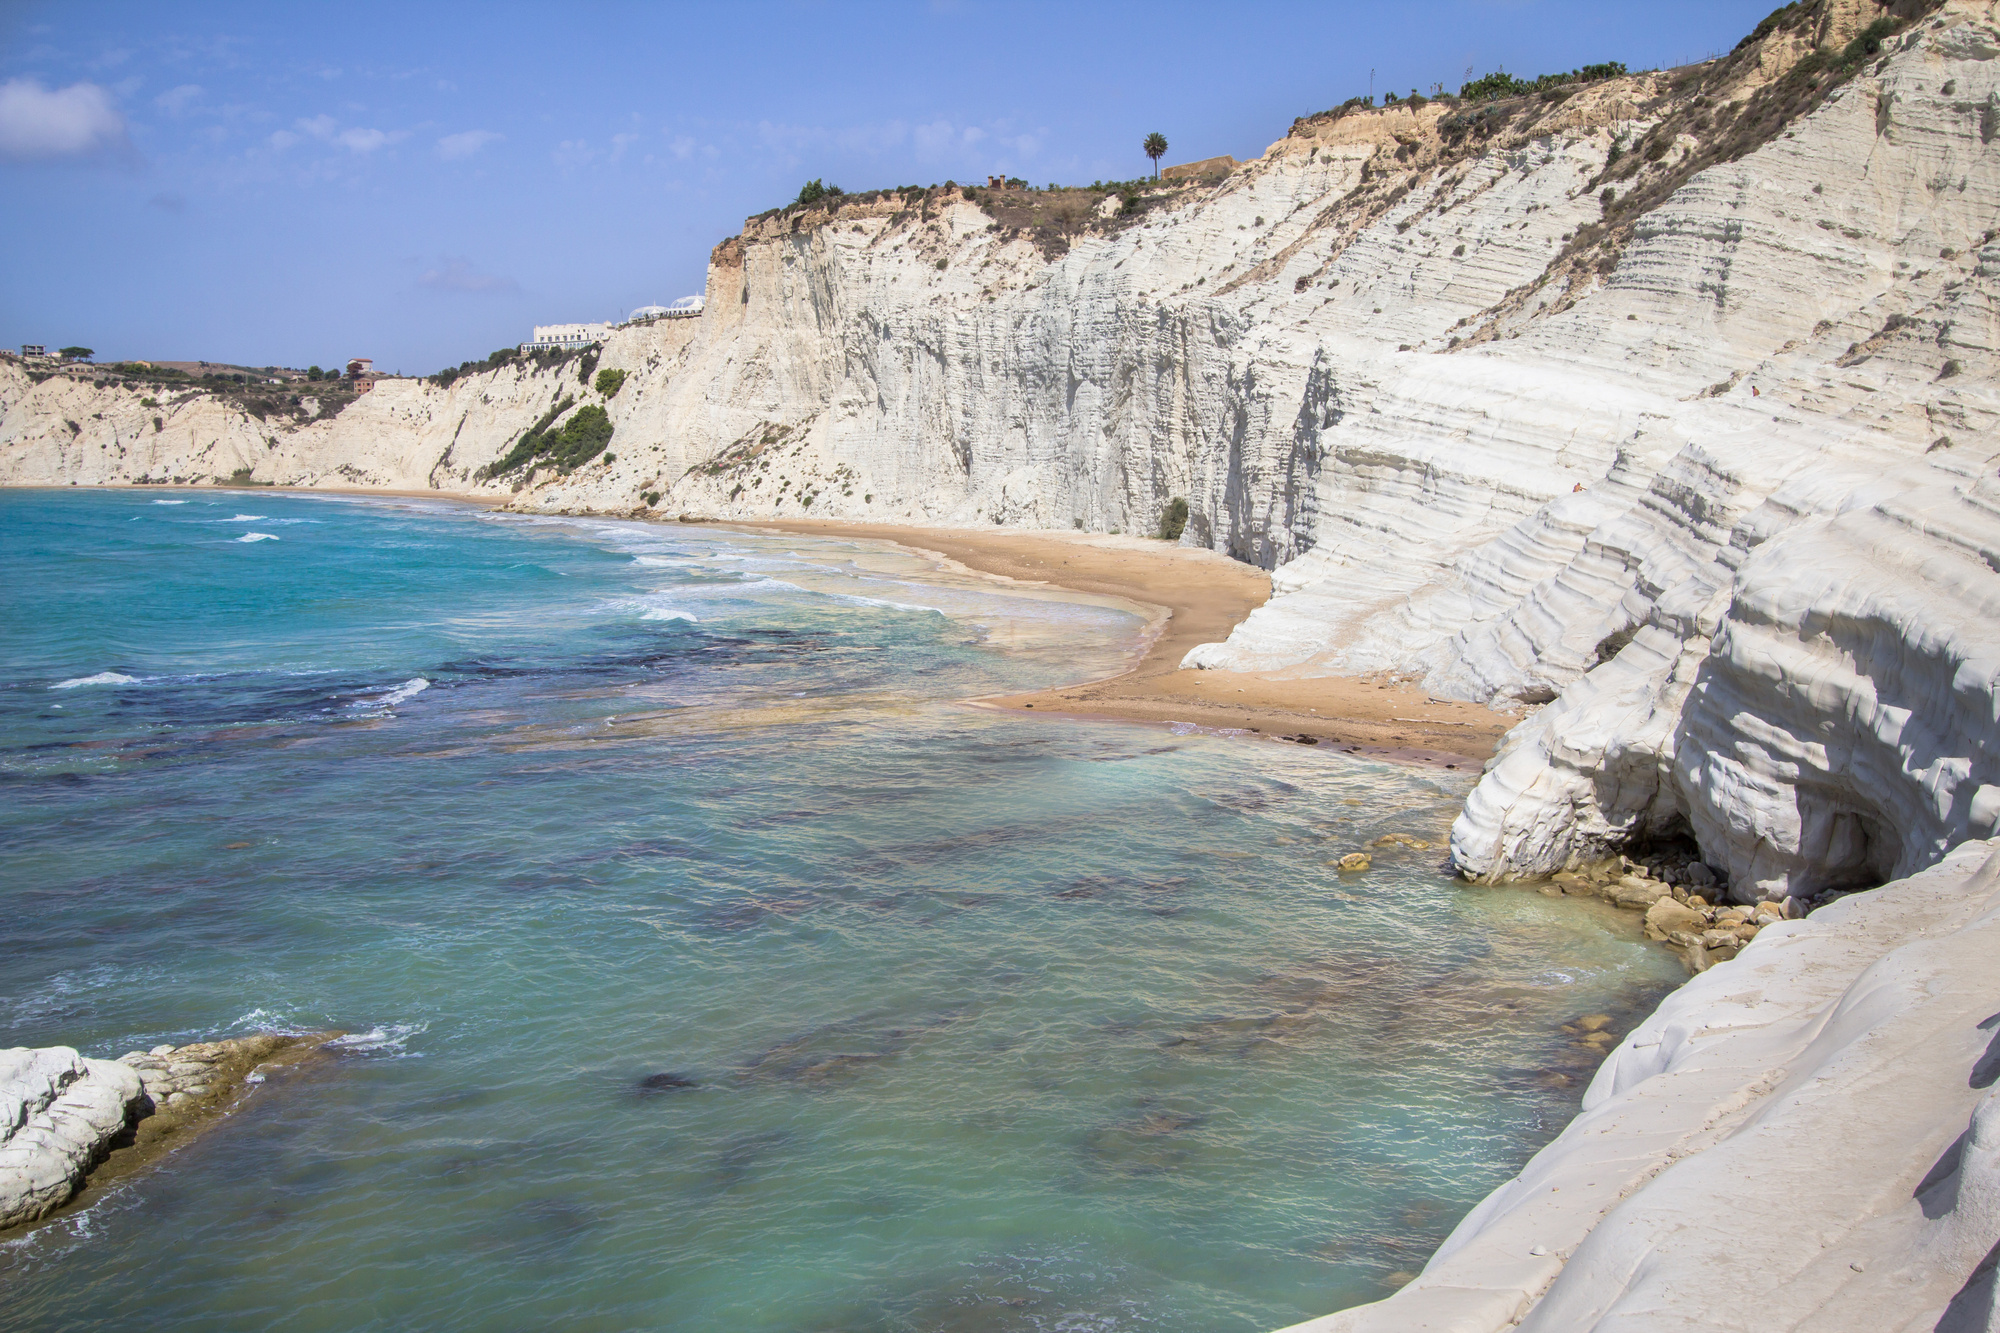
point(967, 1021)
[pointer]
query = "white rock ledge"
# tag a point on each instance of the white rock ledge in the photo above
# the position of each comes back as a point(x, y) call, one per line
point(1805, 1138)
point(59, 1113)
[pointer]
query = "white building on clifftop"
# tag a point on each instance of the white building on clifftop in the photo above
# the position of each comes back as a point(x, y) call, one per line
point(566, 337)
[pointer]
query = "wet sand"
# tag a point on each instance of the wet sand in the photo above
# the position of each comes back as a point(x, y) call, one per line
point(1192, 597)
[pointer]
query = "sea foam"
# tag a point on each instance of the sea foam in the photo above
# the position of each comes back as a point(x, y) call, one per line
point(256, 537)
point(409, 689)
point(387, 1039)
point(101, 678)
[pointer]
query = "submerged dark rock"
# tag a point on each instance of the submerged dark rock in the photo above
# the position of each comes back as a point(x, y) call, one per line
point(666, 1082)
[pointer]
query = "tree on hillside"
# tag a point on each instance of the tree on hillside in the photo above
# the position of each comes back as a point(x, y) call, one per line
point(813, 192)
point(76, 353)
point(1156, 148)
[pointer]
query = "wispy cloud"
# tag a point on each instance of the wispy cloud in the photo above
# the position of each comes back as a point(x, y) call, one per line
point(366, 141)
point(174, 101)
point(454, 273)
point(40, 125)
point(995, 145)
point(358, 139)
point(571, 154)
point(467, 143)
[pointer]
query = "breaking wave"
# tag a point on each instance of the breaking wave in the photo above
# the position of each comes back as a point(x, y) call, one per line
point(101, 678)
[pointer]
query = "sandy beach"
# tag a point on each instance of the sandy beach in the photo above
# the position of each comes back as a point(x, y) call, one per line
point(1194, 596)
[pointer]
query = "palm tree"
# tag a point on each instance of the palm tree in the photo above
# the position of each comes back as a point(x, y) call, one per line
point(1156, 148)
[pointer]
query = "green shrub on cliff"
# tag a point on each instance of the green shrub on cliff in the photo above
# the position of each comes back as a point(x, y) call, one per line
point(609, 382)
point(581, 439)
point(1503, 84)
point(812, 192)
point(1173, 520)
point(1869, 41)
point(530, 445)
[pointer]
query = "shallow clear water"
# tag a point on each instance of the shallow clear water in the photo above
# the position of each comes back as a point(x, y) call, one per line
point(981, 1022)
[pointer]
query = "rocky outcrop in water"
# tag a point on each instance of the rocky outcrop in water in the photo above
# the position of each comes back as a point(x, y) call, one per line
point(59, 1114)
point(62, 1114)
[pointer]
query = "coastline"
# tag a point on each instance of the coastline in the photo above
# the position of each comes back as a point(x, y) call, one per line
point(1676, 1112)
point(1195, 596)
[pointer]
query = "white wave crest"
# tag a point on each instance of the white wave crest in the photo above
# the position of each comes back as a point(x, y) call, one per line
point(881, 601)
point(409, 689)
point(170, 502)
point(241, 518)
point(101, 678)
point(256, 537)
point(264, 1020)
point(388, 1039)
point(669, 613)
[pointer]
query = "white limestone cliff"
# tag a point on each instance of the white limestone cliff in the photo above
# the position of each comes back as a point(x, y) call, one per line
point(1805, 1138)
point(1704, 481)
point(1706, 478)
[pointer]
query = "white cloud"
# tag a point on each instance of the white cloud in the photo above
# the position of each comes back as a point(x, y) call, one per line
point(175, 100)
point(37, 125)
point(454, 273)
point(364, 141)
point(682, 147)
point(935, 139)
point(466, 144)
point(282, 139)
point(357, 139)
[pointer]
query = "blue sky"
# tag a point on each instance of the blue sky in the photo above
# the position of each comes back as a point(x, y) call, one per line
point(296, 183)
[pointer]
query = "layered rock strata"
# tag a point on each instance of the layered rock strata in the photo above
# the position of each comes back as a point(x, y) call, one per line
point(1665, 402)
point(1807, 1138)
point(59, 1114)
